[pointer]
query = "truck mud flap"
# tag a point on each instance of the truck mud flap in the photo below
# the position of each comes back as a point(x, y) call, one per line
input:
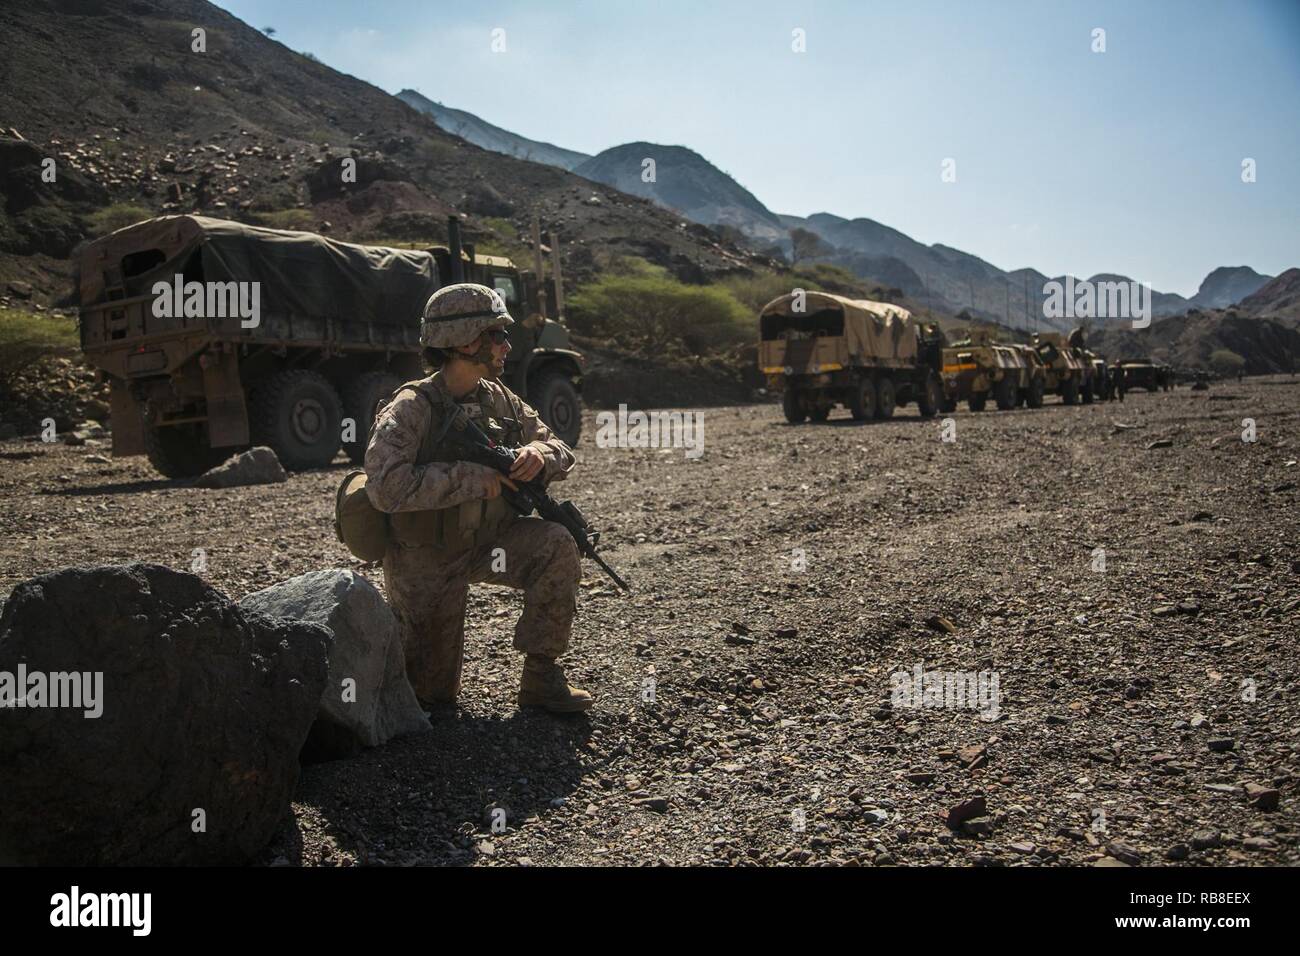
point(125, 418)
point(227, 411)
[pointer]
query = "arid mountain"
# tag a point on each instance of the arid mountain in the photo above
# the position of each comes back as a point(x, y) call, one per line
point(1227, 285)
point(1189, 341)
point(1279, 299)
point(250, 129)
point(482, 133)
point(685, 181)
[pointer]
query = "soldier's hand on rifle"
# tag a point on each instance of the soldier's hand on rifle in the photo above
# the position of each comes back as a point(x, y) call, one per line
point(490, 481)
point(528, 464)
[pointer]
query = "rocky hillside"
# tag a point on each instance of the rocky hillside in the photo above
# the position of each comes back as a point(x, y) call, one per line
point(482, 133)
point(684, 181)
point(1188, 341)
point(1279, 299)
point(250, 129)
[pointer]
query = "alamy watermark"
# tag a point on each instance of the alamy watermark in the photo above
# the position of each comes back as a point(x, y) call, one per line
point(951, 690)
point(210, 300)
point(74, 689)
point(664, 429)
point(1085, 299)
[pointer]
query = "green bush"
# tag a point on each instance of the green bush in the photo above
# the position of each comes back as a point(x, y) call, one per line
point(1226, 361)
point(650, 311)
point(117, 216)
point(28, 336)
point(299, 220)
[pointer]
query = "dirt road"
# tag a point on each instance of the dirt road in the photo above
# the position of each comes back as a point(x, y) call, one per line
point(1127, 616)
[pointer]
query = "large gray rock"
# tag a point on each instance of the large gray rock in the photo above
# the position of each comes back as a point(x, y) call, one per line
point(202, 706)
point(367, 650)
point(257, 466)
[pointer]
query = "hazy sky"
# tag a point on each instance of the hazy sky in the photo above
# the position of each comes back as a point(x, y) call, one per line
point(1067, 160)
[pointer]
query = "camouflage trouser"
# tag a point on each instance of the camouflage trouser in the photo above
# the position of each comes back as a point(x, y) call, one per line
point(427, 590)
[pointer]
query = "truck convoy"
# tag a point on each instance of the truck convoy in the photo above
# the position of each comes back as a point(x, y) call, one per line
point(976, 367)
point(216, 335)
point(820, 350)
point(1067, 367)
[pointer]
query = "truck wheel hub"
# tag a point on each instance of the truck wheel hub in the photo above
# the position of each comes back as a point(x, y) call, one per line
point(307, 420)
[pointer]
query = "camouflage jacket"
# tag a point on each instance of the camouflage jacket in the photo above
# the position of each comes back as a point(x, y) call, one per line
point(398, 481)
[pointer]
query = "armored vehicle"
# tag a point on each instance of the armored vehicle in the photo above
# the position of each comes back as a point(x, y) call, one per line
point(977, 367)
point(1144, 373)
point(1067, 370)
point(216, 335)
point(820, 350)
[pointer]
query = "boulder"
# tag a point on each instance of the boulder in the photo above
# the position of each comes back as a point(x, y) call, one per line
point(179, 743)
point(257, 466)
point(367, 700)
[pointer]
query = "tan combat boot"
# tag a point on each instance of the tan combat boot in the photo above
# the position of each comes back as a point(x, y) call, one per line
point(543, 685)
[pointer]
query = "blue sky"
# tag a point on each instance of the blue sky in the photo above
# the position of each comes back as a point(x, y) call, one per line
point(1067, 160)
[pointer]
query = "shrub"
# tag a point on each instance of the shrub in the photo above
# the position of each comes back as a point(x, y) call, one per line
point(28, 336)
point(117, 216)
point(1226, 361)
point(642, 309)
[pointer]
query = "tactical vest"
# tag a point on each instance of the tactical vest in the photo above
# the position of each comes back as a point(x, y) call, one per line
point(472, 523)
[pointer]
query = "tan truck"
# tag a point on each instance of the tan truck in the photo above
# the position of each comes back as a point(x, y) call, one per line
point(1068, 368)
point(820, 350)
point(977, 367)
point(216, 335)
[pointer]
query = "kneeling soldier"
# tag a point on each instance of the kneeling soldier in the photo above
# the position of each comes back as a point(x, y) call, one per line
point(449, 524)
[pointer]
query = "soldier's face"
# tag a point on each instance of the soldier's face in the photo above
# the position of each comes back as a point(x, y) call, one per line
point(500, 344)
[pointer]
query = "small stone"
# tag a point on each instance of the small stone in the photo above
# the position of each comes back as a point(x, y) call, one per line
point(941, 624)
point(966, 810)
point(1257, 843)
point(1024, 849)
point(1164, 610)
point(1160, 443)
point(1261, 797)
point(973, 756)
point(1206, 840)
point(980, 827)
point(1179, 851)
point(1108, 861)
point(921, 776)
point(1221, 744)
point(1199, 720)
point(1189, 607)
point(657, 804)
point(1122, 851)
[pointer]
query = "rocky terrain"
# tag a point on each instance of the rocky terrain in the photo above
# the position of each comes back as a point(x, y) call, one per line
point(1126, 572)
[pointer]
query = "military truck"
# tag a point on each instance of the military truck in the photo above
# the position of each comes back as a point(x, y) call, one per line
point(1067, 371)
point(1144, 373)
point(216, 335)
point(820, 350)
point(976, 367)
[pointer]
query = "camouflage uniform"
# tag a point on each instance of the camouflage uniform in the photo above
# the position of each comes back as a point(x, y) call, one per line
point(444, 531)
point(445, 535)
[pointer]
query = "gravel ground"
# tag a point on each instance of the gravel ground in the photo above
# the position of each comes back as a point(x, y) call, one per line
point(1135, 700)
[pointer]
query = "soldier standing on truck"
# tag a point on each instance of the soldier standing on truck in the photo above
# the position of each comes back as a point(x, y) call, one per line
point(449, 525)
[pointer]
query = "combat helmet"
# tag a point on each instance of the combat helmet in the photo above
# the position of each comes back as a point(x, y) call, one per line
point(457, 314)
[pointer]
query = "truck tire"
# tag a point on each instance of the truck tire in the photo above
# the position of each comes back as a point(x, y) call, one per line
point(1087, 392)
point(1005, 394)
point(559, 405)
point(977, 400)
point(862, 403)
point(181, 451)
point(299, 415)
point(1070, 392)
point(948, 405)
point(886, 398)
point(360, 397)
point(1034, 398)
point(819, 413)
point(931, 398)
point(793, 408)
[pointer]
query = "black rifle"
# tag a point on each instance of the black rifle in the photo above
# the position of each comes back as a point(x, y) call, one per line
point(473, 444)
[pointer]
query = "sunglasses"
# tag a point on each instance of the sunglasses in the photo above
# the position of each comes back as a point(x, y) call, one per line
point(498, 336)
